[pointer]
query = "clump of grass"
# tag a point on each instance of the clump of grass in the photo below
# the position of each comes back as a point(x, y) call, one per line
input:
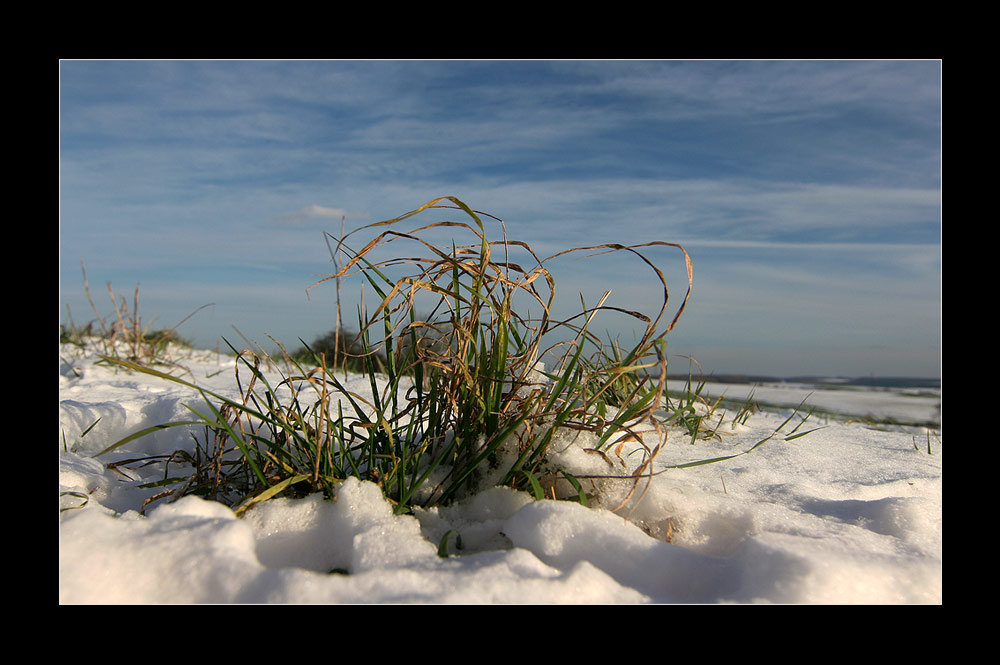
point(481, 407)
point(748, 407)
point(124, 335)
point(687, 408)
point(463, 401)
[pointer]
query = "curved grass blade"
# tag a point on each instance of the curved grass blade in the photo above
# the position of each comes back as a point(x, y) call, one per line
point(443, 551)
point(578, 487)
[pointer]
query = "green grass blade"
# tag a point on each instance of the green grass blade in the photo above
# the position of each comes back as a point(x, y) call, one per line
point(269, 492)
point(443, 545)
point(536, 487)
point(578, 487)
point(143, 432)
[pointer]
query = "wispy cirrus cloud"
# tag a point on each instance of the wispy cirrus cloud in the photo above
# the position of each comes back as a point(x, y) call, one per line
point(303, 216)
point(794, 175)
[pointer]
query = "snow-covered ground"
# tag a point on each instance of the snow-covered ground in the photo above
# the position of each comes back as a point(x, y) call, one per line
point(900, 405)
point(847, 514)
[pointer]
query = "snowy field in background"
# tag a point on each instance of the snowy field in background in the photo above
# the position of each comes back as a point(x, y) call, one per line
point(847, 514)
point(901, 405)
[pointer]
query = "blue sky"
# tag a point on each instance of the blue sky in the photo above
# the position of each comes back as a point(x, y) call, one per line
point(808, 193)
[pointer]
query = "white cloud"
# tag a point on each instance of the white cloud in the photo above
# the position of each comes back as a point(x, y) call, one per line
point(299, 217)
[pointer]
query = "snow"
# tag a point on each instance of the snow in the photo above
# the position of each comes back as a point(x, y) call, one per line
point(848, 514)
point(900, 405)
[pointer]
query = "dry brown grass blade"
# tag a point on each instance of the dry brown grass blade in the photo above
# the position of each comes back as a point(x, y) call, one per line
point(613, 247)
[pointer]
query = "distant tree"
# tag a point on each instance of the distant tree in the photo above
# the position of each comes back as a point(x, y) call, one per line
point(342, 350)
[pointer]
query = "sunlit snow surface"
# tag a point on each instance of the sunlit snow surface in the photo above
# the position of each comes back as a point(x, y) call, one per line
point(846, 514)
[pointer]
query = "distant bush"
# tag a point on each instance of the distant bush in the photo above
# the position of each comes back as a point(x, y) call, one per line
point(343, 349)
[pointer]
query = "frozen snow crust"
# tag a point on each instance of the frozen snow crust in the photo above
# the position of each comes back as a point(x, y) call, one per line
point(847, 514)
